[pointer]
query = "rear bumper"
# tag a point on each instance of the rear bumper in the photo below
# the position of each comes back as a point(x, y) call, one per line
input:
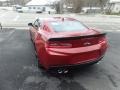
point(72, 59)
point(72, 66)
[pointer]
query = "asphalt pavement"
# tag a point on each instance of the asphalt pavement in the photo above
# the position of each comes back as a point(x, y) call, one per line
point(19, 69)
point(18, 63)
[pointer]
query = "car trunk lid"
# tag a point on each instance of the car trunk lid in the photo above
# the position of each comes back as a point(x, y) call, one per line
point(75, 40)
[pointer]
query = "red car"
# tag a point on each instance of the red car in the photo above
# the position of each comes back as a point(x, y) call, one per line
point(65, 42)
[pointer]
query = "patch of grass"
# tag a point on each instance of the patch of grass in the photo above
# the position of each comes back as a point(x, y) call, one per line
point(113, 14)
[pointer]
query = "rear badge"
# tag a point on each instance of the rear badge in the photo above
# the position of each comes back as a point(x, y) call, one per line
point(87, 43)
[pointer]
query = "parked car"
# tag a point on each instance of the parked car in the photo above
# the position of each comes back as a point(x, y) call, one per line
point(16, 7)
point(27, 10)
point(64, 43)
point(19, 9)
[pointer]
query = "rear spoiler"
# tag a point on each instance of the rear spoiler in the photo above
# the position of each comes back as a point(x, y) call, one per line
point(78, 37)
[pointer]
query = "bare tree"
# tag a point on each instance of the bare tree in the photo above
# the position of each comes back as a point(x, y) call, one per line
point(57, 7)
point(102, 4)
point(20, 2)
point(75, 4)
point(108, 8)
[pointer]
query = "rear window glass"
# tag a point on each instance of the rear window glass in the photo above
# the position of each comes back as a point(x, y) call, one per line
point(68, 26)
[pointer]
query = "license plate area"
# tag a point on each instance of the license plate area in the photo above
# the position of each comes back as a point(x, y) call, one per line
point(86, 56)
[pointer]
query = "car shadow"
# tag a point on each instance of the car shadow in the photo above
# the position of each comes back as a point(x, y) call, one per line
point(74, 71)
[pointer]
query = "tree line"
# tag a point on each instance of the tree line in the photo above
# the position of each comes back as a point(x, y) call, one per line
point(76, 5)
point(14, 2)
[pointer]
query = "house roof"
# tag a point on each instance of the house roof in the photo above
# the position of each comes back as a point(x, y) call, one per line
point(2, 0)
point(114, 1)
point(37, 2)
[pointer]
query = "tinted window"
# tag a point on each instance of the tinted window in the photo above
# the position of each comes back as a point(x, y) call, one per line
point(34, 7)
point(68, 26)
point(37, 23)
point(29, 7)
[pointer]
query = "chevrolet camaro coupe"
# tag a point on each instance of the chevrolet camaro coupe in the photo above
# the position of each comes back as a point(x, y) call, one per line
point(62, 43)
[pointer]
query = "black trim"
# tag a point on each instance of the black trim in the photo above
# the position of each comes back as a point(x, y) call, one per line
point(78, 37)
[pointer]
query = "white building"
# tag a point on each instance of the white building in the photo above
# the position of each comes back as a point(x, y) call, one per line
point(114, 6)
point(37, 6)
point(91, 10)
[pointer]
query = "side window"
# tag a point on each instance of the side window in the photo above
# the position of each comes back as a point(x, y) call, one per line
point(37, 24)
point(34, 7)
point(29, 7)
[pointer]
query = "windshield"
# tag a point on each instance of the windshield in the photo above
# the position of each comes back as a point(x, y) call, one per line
point(68, 26)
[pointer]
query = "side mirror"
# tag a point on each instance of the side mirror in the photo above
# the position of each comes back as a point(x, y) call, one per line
point(30, 24)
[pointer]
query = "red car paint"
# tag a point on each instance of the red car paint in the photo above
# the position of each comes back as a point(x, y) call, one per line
point(66, 48)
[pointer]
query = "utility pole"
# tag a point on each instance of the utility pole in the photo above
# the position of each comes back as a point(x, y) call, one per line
point(7, 2)
point(61, 6)
point(0, 26)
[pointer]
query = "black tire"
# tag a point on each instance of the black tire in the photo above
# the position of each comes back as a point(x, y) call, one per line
point(38, 62)
point(40, 65)
point(93, 63)
point(31, 37)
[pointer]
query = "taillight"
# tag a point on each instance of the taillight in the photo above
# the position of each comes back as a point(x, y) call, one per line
point(102, 40)
point(58, 45)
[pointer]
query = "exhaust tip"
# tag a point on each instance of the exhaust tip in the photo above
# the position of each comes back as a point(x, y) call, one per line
point(62, 71)
point(66, 71)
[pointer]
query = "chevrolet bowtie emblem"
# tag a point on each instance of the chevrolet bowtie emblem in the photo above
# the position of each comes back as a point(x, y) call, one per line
point(87, 43)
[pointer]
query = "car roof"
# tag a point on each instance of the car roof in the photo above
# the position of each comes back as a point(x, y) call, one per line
point(57, 19)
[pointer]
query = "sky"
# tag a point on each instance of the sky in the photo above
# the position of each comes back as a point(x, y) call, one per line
point(42, 1)
point(3, 0)
point(114, 0)
point(34, 0)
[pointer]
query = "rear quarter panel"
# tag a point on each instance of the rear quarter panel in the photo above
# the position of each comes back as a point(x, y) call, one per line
point(40, 43)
